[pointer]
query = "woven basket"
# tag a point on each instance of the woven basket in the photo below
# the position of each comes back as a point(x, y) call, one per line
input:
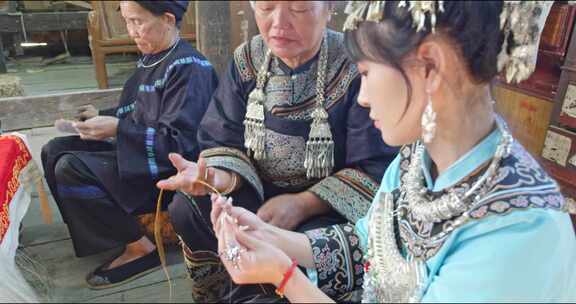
point(167, 231)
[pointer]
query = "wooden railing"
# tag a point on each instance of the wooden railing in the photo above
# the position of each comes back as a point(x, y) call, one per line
point(17, 113)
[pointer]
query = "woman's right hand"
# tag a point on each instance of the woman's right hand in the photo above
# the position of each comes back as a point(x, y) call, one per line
point(271, 247)
point(253, 261)
point(189, 175)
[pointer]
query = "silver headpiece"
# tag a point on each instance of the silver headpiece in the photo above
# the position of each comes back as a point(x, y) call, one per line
point(523, 19)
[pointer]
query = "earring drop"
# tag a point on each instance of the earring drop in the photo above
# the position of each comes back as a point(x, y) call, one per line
point(428, 122)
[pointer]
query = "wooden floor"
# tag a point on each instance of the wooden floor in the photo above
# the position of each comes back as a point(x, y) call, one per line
point(51, 248)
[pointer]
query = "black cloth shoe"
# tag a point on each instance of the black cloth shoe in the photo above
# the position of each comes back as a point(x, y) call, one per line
point(101, 278)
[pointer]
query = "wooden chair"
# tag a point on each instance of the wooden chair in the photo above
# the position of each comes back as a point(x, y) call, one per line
point(108, 34)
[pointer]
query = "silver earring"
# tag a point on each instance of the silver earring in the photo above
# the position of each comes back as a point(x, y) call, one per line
point(428, 122)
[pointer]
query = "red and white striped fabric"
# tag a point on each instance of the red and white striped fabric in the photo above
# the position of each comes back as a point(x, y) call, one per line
point(18, 175)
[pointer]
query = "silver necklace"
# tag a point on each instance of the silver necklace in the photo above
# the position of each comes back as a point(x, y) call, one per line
point(457, 200)
point(161, 59)
point(319, 155)
point(392, 277)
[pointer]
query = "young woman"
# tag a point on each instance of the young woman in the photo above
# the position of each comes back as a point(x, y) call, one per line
point(464, 214)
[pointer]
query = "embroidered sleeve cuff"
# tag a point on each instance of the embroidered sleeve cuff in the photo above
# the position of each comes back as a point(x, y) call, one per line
point(337, 259)
point(236, 161)
point(349, 191)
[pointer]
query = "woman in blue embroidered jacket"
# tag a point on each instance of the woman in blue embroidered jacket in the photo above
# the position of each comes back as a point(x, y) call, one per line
point(104, 177)
point(464, 214)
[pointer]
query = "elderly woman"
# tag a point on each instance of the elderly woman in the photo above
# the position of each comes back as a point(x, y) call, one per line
point(104, 177)
point(464, 214)
point(284, 136)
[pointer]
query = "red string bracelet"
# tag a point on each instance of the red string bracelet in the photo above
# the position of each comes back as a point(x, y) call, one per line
point(287, 275)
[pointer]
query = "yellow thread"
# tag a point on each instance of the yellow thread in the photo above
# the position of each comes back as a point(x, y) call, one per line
point(158, 235)
point(207, 185)
point(160, 244)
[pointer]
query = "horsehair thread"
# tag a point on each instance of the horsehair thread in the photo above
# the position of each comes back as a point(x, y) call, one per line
point(36, 275)
point(158, 236)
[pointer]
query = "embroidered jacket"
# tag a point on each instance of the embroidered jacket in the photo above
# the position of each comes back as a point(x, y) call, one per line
point(360, 154)
point(516, 244)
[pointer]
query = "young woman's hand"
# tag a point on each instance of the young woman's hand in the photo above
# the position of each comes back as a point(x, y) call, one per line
point(243, 218)
point(249, 260)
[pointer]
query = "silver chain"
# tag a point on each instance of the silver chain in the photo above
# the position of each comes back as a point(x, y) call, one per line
point(455, 202)
point(263, 73)
point(321, 79)
point(161, 59)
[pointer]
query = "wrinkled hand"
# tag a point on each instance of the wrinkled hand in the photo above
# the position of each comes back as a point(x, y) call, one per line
point(189, 173)
point(285, 211)
point(256, 261)
point(86, 112)
point(98, 128)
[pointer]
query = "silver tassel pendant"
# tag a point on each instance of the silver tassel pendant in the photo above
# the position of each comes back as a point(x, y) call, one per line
point(391, 278)
point(254, 130)
point(319, 160)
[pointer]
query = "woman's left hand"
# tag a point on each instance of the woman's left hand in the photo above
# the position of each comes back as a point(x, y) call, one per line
point(98, 128)
point(256, 261)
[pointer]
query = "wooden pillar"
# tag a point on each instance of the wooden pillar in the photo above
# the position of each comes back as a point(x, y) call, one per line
point(213, 19)
point(223, 25)
point(242, 23)
point(2, 60)
point(7, 7)
point(17, 44)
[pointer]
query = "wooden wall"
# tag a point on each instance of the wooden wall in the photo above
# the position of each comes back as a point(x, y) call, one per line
point(528, 116)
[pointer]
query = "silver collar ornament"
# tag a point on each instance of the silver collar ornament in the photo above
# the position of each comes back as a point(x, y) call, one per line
point(319, 160)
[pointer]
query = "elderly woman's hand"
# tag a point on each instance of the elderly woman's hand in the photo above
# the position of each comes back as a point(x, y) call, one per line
point(98, 128)
point(287, 211)
point(86, 112)
point(249, 260)
point(284, 211)
point(189, 175)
